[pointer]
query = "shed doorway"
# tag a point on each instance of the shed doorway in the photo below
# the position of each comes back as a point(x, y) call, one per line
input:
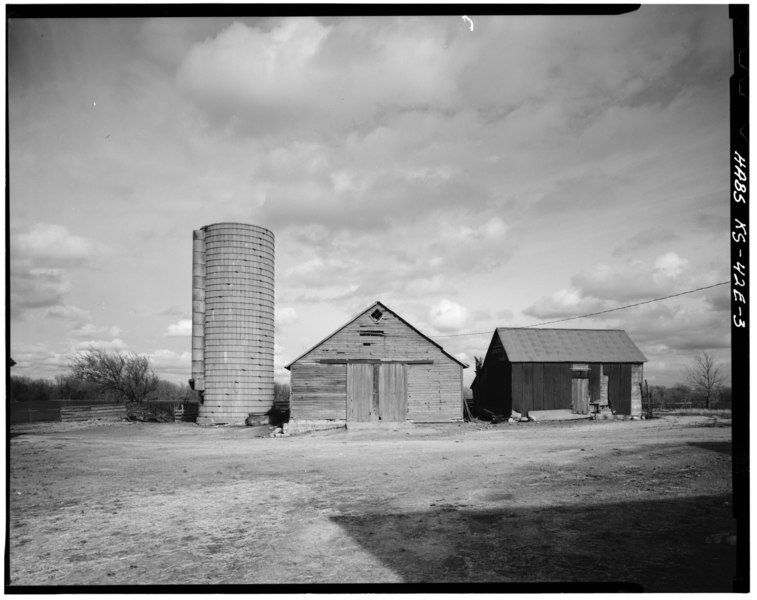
point(579, 388)
point(376, 392)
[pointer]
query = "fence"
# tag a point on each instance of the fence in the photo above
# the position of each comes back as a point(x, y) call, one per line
point(105, 412)
point(33, 412)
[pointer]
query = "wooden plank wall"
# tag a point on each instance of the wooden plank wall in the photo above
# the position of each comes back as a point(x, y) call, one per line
point(547, 386)
point(594, 383)
point(359, 391)
point(110, 412)
point(637, 377)
point(318, 391)
point(434, 390)
point(392, 392)
point(619, 387)
point(541, 386)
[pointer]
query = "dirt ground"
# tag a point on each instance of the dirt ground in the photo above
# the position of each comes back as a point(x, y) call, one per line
point(636, 502)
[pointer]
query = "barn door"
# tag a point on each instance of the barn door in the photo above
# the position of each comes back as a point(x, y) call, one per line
point(359, 391)
point(392, 392)
point(580, 395)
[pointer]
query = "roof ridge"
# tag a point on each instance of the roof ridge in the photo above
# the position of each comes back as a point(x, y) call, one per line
point(531, 328)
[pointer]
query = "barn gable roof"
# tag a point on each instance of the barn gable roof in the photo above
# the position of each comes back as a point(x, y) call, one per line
point(369, 310)
point(569, 345)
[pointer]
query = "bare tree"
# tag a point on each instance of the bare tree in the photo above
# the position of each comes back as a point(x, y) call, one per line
point(128, 375)
point(705, 375)
point(479, 363)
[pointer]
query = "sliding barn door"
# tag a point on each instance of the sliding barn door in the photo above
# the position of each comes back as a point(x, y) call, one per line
point(392, 392)
point(376, 392)
point(360, 392)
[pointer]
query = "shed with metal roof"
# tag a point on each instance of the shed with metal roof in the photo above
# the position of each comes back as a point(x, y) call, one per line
point(584, 370)
point(376, 368)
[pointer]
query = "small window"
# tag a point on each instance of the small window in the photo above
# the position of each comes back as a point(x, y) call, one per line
point(376, 315)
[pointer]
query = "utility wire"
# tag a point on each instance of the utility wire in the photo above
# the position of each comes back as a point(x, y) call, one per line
point(601, 312)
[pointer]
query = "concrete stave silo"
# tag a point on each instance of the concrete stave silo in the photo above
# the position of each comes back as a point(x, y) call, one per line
point(233, 321)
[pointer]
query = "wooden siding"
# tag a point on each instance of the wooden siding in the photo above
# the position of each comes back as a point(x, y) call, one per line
point(433, 379)
point(359, 392)
point(547, 386)
point(594, 382)
point(541, 386)
point(637, 376)
point(392, 392)
point(434, 392)
point(318, 391)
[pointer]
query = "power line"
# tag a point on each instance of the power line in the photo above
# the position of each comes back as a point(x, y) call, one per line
point(601, 312)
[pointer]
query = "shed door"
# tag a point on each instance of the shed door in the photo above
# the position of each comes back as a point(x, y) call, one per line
point(580, 394)
point(359, 391)
point(392, 392)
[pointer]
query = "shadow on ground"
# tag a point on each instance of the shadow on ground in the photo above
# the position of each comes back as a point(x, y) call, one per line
point(676, 545)
point(722, 447)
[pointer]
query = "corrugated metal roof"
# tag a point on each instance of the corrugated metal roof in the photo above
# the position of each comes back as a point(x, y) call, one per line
point(569, 345)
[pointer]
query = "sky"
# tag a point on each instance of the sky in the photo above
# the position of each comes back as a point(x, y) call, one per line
point(502, 172)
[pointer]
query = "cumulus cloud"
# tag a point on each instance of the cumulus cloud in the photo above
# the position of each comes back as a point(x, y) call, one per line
point(669, 266)
point(54, 246)
point(181, 328)
point(42, 257)
point(170, 365)
point(317, 75)
point(114, 345)
point(447, 316)
point(604, 287)
point(38, 361)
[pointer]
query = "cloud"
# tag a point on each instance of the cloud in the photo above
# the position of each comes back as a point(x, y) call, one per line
point(38, 361)
point(75, 315)
point(304, 73)
point(114, 345)
point(54, 246)
point(645, 239)
point(173, 311)
point(280, 360)
point(564, 303)
point(41, 259)
point(285, 315)
point(38, 288)
point(182, 328)
point(669, 266)
point(170, 365)
point(447, 316)
point(89, 330)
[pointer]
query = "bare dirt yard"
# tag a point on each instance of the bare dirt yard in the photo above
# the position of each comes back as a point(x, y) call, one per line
point(637, 502)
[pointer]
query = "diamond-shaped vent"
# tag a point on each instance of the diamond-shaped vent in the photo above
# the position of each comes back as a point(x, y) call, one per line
point(376, 315)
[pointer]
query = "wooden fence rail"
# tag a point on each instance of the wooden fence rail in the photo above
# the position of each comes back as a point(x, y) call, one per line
point(109, 412)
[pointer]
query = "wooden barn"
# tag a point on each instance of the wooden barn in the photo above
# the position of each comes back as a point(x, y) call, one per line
point(584, 370)
point(376, 368)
